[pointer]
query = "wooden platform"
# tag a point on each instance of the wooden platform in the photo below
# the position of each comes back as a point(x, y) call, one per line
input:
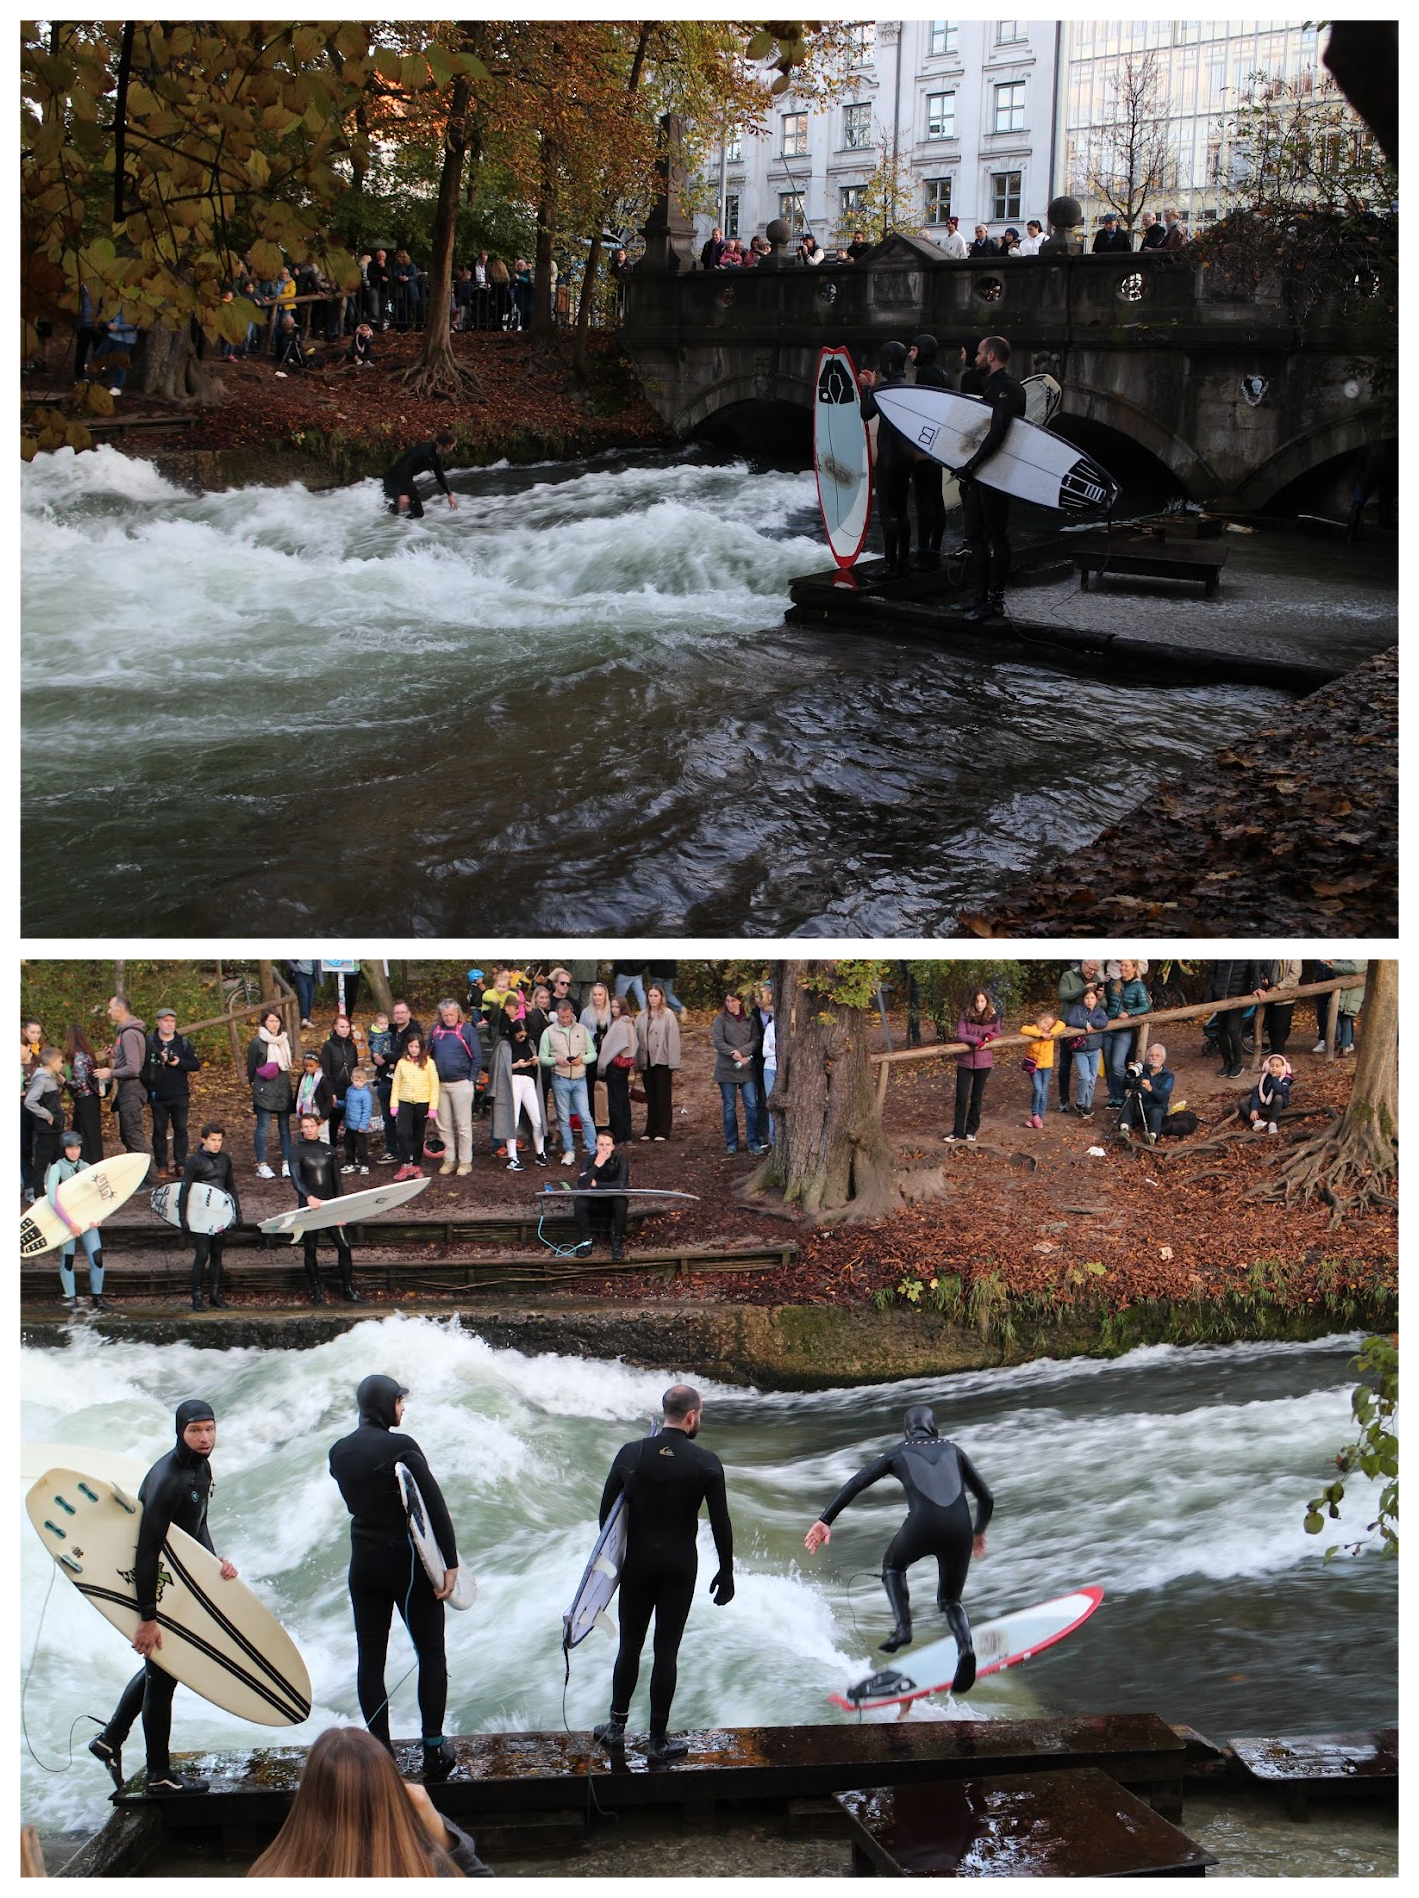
point(1322, 1767)
point(1076, 1823)
point(1153, 556)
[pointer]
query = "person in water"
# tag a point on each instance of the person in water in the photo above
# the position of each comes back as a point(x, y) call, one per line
point(315, 1174)
point(424, 458)
point(894, 459)
point(664, 1478)
point(174, 1494)
point(935, 1474)
point(385, 1570)
point(988, 509)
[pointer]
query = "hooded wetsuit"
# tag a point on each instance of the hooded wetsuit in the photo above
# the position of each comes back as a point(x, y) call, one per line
point(987, 509)
point(895, 458)
point(315, 1174)
point(423, 458)
point(926, 474)
point(385, 1570)
point(935, 1474)
point(174, 1494)
point(666, 1478)
point(207, 1169)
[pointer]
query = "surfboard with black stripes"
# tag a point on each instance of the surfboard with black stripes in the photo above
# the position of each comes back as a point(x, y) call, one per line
point(218, 1637)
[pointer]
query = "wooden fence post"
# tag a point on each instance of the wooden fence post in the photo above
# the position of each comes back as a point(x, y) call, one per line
point(1332, 1015)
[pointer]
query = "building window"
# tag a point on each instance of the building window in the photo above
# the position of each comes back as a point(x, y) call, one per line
point(1010, 107)
point(1008, 32)
point(863, 34)
point(1005, 191)
point(938, 200)
point(734, 149)
point(790, 209)
point(857, 126)
point(795, 134)
point(849, 201)
point(730, 227)
point(943, 38)
point(940, 115)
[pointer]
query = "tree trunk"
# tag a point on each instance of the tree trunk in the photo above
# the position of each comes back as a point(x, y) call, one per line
point(543, 315)
point(120, 977)
point(373, 973)
point(1352, 1165)
point(266, 975)
point(581, 356)
point(438, 372)
point(171, 368)
point(832, 1160)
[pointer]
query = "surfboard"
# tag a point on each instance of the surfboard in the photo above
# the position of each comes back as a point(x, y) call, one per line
point(347, 1209)
point(465, 1589)
point(1030, 463)
point(601, 1577)
point(913, 1673)
point(1043, 396)
point(209, 1209)
point(219, 1639)
point(83, 1200)
point(842, 461)
point(36, 1458)
point(557, 1191)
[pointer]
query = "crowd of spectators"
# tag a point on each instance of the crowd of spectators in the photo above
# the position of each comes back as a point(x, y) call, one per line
point(1168, 233)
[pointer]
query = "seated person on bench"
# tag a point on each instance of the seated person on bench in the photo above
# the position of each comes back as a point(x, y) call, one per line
point(607, 1169)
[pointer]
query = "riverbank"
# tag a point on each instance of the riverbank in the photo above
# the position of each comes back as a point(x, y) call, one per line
point(331, 425)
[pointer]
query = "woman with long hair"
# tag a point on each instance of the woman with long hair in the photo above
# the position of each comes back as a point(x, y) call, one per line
point(978, 1026)
point(84, 1092)
point(354, 1817)
point(596, 1019)
point(616, 1063)
point(657, 1057)
point(268, 1069)
point(414, 1096)
point(516, 1087)
point(736, 1040)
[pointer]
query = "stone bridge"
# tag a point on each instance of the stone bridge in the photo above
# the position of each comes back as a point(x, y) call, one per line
point(1236, 400)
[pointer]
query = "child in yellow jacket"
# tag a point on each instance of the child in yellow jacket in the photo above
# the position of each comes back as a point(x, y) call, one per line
point(1041, 1054)
point(413, 1097)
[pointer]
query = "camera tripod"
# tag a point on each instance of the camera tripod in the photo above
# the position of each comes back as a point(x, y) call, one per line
point(1132, 1093)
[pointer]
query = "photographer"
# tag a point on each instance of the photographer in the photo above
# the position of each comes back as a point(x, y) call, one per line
point(1148, 1088)
point(171, 1057)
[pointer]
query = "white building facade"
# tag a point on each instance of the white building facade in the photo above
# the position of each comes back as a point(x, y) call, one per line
point(966, 108)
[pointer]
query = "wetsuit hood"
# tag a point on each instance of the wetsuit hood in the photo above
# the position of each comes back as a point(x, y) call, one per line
point(892, 359)
point(191, 1410)
point(376, 1398)
point(920, 1423)
point(925, 346)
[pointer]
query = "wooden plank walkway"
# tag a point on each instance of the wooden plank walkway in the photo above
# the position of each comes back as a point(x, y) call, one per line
point(1150, 556)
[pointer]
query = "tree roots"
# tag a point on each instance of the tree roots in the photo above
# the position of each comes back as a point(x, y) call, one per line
point(1351, 1172)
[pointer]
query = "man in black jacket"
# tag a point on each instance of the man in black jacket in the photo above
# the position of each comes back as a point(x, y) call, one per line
point(605, 1171)
point(315, 1174)
point(1226, 980)
point(171, 1058)
point(424, 458)
point(987, 509)
point(665, 1479)
point(1109, 237)
point(174, 1494)
point(935, 1474)
point(385, 1570)
point(208, 1166)
point(926, 473)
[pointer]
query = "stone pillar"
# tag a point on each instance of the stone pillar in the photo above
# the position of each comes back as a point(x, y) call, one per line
point(778, 231)
point(1064, 215)
point(669, 234)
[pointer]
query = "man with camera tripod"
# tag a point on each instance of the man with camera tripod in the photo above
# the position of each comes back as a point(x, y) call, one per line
point(1148, 1087)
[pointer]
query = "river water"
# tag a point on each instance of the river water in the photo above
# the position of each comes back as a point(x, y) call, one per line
point(571, 704)
point(1174, 1478)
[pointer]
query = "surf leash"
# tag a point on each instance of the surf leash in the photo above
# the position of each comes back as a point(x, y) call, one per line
point(43, 1765)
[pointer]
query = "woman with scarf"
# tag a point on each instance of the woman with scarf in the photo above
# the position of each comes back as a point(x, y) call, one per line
point(268, 1069)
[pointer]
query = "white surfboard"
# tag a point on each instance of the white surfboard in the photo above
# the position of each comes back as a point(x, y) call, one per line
point(1043, 396)
point(36, 1458)
point(209, 1209)
point(219, 1639)
point(1030, 463)
point(914, 1672)
point(602, 1575)
point(347, 1209)
point(841, 456)
point(465, 1589)
point(85, 1199)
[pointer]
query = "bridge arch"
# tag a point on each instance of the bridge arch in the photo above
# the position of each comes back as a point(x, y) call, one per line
point(1105, 408)
point(749, 393)
point(1304, 454)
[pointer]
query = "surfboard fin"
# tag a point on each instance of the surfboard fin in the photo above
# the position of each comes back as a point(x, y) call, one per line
point(123, 1501)
point(604, 1622)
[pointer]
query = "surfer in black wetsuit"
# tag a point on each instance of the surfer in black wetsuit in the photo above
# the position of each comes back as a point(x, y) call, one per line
point(926, 473)
point(988, 509)
point(606, 1170)
point(894, 459)
point(665, 1479)
point(174, 1493)
point(935, 1475)
point(424, 458)
point(315, 1174)
point(207, 1165)
point(385, 1570)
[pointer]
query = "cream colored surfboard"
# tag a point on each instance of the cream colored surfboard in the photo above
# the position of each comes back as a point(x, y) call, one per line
point(81, 1201)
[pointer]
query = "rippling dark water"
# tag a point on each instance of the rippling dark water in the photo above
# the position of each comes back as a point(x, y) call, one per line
point(571, 705)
